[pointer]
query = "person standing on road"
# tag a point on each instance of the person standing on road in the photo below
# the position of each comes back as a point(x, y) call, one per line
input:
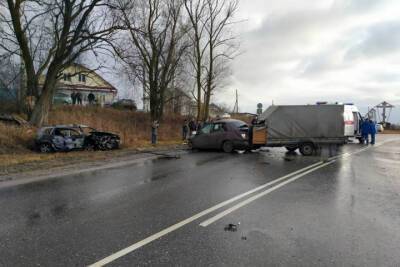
point(192, 126)
point(365, 131)
point(154, 132)
point(372, 131)
point(185, 130)
point(254, 121)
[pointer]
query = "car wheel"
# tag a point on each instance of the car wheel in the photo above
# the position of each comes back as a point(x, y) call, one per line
point(291, 148)
point(45, 148)
point(89, 147)
point(307, 149)
point(227, 147)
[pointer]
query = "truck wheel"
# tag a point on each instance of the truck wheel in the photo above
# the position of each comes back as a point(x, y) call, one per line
point(307, 149)
point(291, 148)
point(227, 147)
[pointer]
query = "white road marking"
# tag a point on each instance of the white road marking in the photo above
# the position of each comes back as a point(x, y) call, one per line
point(266, 192)
point(298, 174)
point(174, 227)
point(272, 189)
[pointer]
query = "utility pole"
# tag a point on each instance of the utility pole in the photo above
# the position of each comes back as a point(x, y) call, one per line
point(236, 107)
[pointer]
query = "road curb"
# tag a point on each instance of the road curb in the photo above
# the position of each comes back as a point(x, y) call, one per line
point(22, 178)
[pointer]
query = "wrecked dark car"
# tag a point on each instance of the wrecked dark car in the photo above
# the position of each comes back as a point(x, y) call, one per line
point(227, 135)
point(74, 137)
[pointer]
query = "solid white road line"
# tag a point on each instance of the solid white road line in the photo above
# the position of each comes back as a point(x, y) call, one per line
point(298, 174)
point(174, 227)
point(272, 189)
point(266, 192)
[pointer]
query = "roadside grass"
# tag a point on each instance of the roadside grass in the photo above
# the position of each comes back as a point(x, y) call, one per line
point(134, 128)
point(391, 132)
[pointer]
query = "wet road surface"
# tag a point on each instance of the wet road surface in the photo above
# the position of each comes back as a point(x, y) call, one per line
point(345, 213)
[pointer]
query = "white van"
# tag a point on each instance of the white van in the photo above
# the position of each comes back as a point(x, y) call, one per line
point(352, 121)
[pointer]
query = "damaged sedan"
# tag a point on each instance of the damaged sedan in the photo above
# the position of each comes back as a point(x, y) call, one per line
point(74, 137)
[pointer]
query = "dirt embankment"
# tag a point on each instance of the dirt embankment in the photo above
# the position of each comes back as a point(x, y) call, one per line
point(16, 143)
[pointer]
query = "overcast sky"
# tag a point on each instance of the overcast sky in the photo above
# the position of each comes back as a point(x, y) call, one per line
point(303, 51)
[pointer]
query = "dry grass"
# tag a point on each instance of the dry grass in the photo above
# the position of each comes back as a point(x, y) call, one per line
point(16, 143)
point(391, 132)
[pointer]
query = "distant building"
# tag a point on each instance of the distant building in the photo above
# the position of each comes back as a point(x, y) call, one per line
point(180, 102)
point(78, 78)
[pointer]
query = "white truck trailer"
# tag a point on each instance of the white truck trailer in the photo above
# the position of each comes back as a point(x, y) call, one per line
point(306, 127)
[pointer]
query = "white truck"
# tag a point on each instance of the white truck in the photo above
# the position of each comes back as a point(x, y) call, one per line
point(306, 127)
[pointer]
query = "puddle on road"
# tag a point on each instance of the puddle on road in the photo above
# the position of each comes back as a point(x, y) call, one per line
point(210, 159)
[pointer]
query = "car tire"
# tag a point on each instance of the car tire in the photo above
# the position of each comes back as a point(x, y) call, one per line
point(90, 147)
point(45, 148)
point(307, 149)
point(291, 148)
point(227, 147)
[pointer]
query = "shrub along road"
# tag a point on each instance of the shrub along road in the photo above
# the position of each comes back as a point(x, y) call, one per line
point(298, 212)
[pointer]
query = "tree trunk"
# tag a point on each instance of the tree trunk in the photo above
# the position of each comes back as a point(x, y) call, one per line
point(198, 80)
point(40, 114)
point(210, 80)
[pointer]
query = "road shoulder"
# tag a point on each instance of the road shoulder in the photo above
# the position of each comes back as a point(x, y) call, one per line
point(27, 173)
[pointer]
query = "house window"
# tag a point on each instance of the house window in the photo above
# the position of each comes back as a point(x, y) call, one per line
point(82, 78)
point(67, 77)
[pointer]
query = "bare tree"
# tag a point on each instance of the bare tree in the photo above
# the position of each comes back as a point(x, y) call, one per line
point(9, 78)
point(213, 46)
point(196, 12)
point(155, 46)
point(49, 35)
point(220, 44)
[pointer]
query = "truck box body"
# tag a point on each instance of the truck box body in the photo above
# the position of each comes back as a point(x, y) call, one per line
point(314, 123)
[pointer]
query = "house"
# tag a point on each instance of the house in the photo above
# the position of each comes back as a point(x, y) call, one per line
point(180, 102)
point(177, 102)
point(78, 78)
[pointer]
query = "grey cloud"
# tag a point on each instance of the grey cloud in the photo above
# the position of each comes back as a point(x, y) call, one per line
point(304, 55)
point(378, 40)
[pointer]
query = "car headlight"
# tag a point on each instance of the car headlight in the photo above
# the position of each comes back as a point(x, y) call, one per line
point(244, 136)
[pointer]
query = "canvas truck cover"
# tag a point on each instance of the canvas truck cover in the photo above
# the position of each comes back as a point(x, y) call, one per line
point(305, 122)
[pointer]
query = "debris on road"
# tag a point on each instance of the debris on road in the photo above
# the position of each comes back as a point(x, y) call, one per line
point(165, 155)
point(288, 158)
point(231, 227)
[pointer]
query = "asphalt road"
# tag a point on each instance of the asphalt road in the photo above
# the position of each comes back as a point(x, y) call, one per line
point(176, 212)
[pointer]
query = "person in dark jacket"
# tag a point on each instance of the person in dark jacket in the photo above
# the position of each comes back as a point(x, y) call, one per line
point(254, 121)
point(79, 98)
point(154, 132)
point(91, 98)
point(372, 131)
point(365, 128)
point(185, 130)
point(192, 126)
point(73, 97)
